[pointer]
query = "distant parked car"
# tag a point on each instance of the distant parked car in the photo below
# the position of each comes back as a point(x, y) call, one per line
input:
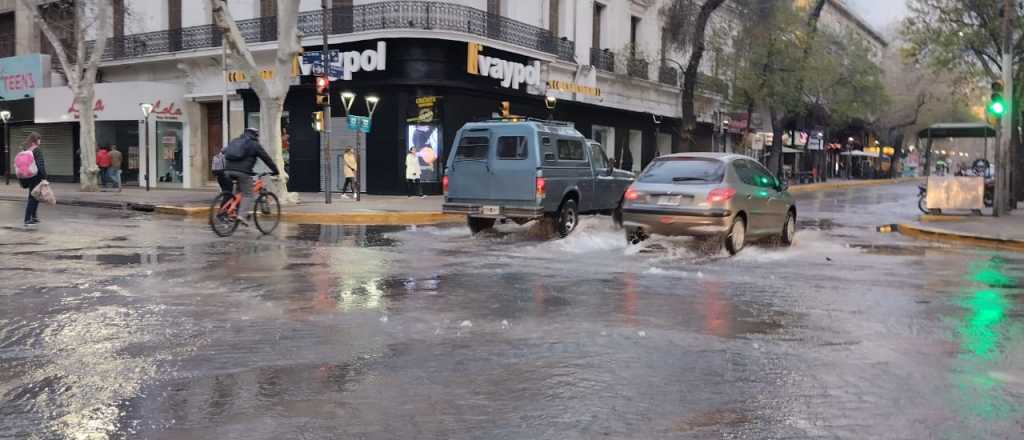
point(526, 170)
point(714, 196)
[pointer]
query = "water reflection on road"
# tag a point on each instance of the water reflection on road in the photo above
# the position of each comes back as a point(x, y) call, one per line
point(145, 327)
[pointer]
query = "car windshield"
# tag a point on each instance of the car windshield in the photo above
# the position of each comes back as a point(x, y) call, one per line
point(684, 170)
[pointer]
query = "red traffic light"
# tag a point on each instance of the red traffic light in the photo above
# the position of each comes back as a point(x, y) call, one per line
point(321, 84)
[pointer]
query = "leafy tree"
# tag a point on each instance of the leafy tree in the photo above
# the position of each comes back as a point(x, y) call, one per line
point(964, 39)
point(678, 17)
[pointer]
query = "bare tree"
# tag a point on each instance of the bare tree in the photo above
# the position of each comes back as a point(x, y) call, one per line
point(272, 91)
point(79, 69)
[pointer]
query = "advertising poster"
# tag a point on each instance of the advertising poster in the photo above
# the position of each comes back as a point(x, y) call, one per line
point(425, 140)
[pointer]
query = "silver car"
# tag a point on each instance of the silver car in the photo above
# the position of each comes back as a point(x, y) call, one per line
point(714, 196)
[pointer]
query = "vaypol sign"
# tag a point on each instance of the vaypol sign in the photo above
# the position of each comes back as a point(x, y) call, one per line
point(510, 73)
point(342, 64)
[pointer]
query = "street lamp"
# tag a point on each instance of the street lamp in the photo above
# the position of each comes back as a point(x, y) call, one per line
point(6, 116)
point(371, 101)
point(550, 102)
point(849, 157)
point(146, 108)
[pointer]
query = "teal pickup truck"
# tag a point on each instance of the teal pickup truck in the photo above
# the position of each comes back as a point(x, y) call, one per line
point(526, 170)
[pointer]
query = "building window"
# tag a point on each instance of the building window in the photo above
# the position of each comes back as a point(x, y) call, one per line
point(634, 29)
point(268, 8)
point(174, 23)
point(7, 35)
point(598, 18)
point(553, 11)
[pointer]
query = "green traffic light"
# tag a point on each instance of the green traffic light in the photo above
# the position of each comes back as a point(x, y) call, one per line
point(996, 108)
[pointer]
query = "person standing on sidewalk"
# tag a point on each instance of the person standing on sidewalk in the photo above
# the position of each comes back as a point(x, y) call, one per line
point(351, 167)
point(103, 161)
point(116, 158)
point(412, 173)
point(29, 182)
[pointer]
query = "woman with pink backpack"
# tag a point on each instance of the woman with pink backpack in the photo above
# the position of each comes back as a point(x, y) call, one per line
point(31, 170)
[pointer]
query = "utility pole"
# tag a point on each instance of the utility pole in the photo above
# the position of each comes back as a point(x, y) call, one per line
point(1003, 167)
point(325, 58)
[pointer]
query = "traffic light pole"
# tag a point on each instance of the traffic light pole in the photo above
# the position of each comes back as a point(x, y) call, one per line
point(1003, 165)
point(325, 58)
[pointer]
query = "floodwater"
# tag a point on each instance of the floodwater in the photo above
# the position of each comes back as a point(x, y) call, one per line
point(118, 325)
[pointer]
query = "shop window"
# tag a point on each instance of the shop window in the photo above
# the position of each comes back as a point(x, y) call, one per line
point(423, 140)
point(570, 150)
point(512, 148)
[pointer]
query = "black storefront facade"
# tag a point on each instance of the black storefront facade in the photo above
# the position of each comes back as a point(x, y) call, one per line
point(426, 84)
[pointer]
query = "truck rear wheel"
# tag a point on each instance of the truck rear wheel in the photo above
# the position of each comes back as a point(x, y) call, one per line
point(478, 224)
point(566, 218)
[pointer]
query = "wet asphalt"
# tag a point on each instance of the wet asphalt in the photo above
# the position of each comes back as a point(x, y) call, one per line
point(127, 325)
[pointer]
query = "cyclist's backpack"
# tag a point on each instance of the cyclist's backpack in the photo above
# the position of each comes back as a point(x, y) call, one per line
point(25, 165)
point(236, 149)
point(217, 164)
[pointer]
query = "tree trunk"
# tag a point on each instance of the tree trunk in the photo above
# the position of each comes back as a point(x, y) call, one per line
point(88, 172)
point(690, 74)
point(270, 136)
point(775, 160)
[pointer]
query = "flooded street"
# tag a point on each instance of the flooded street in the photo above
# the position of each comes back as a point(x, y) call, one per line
point(130, 325)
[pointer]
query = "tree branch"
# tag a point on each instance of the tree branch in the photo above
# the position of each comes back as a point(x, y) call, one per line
point(58, 46)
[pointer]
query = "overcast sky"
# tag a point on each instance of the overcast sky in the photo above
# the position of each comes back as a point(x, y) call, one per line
point(880, 13)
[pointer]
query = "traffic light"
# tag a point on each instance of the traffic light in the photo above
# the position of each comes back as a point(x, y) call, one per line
point(322, 97)
point(318, 121)
point(997, 104)
point(505, 109)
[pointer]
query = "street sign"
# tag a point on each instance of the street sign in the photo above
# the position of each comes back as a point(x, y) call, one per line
point(359, 123)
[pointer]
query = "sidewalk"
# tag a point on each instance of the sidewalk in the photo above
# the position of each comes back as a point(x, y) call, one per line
point(311, 208)
point(1005, 232)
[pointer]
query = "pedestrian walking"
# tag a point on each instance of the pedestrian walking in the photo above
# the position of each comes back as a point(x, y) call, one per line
point(116, 159)
point(412, 173)
point(103, 162)
point(351, 167)
point(31, 171)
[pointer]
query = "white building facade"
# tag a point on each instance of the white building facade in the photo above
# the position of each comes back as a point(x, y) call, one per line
point(602, 60)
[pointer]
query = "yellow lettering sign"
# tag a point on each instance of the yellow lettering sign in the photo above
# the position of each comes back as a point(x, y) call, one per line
point(568, 87)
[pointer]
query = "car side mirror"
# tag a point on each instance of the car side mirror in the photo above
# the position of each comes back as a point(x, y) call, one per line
point(781, 185)
point(611, 170)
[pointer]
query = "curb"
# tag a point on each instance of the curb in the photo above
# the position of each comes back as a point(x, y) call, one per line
point(827, 186)
point(92, 204)
point(337, 218)
point(943, 235)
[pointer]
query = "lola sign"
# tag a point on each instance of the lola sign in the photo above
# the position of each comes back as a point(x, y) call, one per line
point(511, 73)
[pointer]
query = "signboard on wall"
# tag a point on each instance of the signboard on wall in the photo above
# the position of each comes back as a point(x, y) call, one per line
point(342, 64)
point(20, 76)
point(118, 101)
point(510, 74)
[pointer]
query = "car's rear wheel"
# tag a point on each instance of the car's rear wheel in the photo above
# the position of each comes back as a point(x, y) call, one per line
point(566, 218)
point(788, 229)
point(737, 236)
point(479, 224)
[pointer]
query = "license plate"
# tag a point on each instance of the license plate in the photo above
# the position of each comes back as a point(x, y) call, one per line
point(669, 200)
point(490, 210)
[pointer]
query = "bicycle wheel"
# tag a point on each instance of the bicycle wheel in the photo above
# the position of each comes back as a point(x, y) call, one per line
point(221, 223)
point(267, 213)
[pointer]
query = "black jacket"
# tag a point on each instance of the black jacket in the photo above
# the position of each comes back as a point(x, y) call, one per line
point(252, 150)
point(40, 165)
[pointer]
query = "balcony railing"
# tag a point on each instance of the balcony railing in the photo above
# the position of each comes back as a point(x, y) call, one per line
point(602, 59)
point(637, 68)
point(668, 75)
point(389, 15)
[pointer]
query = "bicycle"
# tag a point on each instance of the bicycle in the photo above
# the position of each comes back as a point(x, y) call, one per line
point(266, 212)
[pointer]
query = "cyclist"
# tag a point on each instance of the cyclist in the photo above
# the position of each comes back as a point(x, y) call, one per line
point(240, 158)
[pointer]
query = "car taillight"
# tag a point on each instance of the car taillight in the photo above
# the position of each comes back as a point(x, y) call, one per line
point(540, 188)
point(631, 194)
point(444, 184)
point(720, 195)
